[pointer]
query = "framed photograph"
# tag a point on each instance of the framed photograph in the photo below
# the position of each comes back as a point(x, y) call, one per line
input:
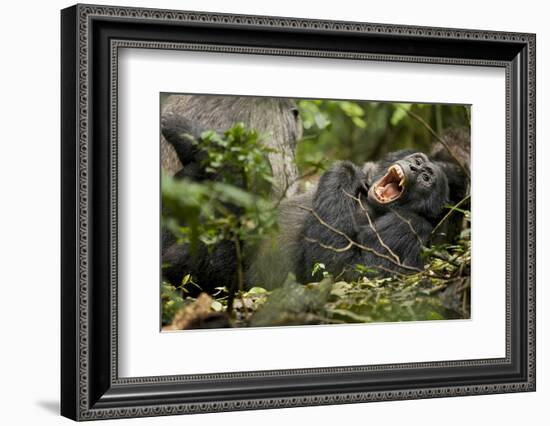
point(263, 212)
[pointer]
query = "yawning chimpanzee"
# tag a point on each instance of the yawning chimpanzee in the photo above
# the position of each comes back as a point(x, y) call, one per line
point(378, 217)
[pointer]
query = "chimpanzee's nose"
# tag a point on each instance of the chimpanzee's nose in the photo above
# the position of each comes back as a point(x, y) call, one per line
point(413, 168)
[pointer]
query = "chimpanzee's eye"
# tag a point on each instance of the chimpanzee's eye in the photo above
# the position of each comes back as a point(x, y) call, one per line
point(425, 177)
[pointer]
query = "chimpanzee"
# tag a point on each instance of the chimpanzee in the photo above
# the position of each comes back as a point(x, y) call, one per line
point(379, 217)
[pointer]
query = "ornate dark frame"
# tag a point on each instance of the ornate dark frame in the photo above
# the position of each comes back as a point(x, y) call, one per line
point(91, 37)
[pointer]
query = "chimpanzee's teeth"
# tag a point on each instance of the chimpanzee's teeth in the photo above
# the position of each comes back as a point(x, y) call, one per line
point(401, 182)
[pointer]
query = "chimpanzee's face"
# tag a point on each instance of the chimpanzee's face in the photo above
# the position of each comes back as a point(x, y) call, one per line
point(413, 182)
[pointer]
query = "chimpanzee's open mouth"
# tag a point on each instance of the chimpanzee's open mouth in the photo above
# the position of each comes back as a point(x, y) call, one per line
point(390, 187)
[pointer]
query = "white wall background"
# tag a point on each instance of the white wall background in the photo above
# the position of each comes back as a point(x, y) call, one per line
point(29, 217)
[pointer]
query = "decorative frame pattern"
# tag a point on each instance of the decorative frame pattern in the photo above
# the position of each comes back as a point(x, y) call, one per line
point(91, 388)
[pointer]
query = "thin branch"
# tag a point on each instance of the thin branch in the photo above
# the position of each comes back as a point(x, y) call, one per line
point(395, 256)
point(326, 246)
point(439, 138)
point(408, 222)
point(452, 209)
point(356, 244)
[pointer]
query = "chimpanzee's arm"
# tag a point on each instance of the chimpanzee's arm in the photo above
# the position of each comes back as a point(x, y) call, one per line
point(333, 208)
point(396, 239)
point(334, 199)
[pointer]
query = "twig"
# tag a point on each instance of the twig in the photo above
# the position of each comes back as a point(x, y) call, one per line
point(452, 209)
point(396, 257)
point(439, 138)
point(408, 222)
point(356, 244)
point(328, 247)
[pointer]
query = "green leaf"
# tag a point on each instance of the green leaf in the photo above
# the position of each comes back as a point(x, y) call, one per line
point(400, 113)
point(351, 109)
point(257, 290)
point(216, 306)
point(362, 269)
point(359, 122)
point(319, 267)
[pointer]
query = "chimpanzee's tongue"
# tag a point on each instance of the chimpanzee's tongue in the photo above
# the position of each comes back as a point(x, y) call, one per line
point(390, 190)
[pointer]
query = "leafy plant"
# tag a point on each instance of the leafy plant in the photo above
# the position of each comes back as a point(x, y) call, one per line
point(234, 205)
point(366, 131)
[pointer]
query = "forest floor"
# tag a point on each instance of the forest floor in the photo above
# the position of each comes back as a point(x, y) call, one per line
point(440, 292)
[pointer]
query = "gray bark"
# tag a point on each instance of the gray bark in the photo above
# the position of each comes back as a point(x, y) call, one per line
point(275, 119)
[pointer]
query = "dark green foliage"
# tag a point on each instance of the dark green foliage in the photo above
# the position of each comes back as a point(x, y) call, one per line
point(365, 131)
point(238, 157)
point(217, 221)
point(235, 206)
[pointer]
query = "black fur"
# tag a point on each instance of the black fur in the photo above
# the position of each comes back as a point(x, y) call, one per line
point(334, 202)
point(209, 269)
point(184, 136)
